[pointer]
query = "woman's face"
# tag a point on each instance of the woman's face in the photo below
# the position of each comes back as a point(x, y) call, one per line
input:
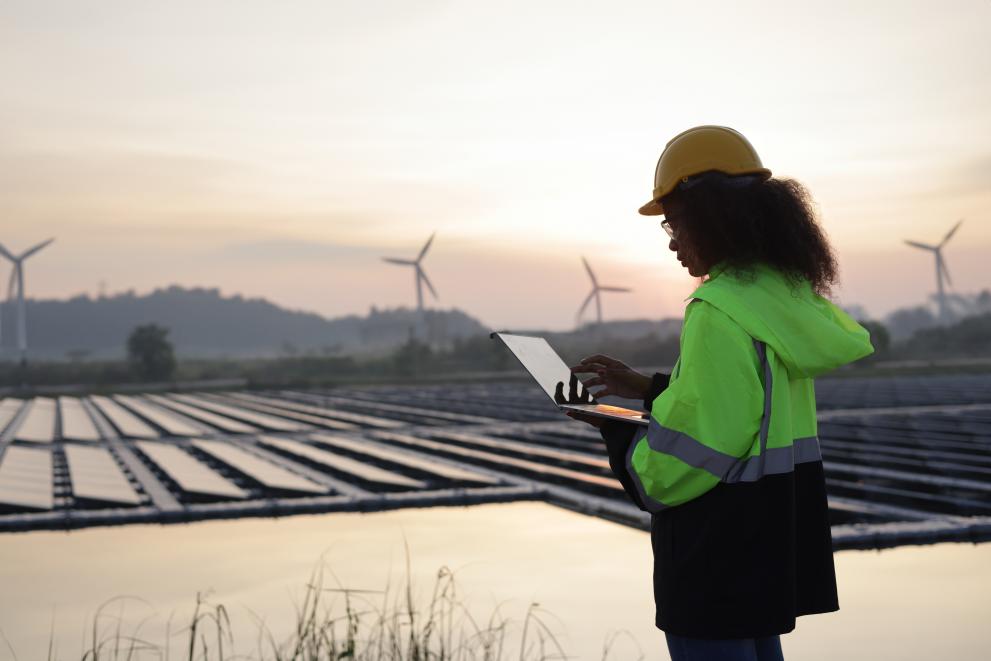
point(689, 259)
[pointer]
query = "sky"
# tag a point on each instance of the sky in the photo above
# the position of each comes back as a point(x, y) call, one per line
point(281, 149)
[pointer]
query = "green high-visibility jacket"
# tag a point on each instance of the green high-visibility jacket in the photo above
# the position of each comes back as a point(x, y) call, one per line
point(741, 402)
point(729, 465)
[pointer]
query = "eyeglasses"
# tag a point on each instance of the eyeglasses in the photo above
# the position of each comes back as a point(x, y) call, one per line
point(666, 226)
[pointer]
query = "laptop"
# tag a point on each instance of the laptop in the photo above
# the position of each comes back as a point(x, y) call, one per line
point(553, 376)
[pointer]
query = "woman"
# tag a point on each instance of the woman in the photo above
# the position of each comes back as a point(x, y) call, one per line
point(729, 466)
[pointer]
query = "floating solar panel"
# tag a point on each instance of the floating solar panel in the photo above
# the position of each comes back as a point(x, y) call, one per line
point(26, 478)
point(339, 463)
point(408, 459)
point(127, 424)
point(269, 422)
point(39, 424)
point(264, 472)
point(191, 476)
point(9, 409)
point(308, 418)
point(96, 476)
point(323, 411)
point(172, 423)
point(410, 413)
point(214, 420)
point(528, 449)
point(76, 423)
point(504, 463)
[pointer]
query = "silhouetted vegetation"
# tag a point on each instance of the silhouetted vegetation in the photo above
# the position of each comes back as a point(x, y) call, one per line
point(344, 623)
point(206, 324)
point(150, 354)
point(473, 357)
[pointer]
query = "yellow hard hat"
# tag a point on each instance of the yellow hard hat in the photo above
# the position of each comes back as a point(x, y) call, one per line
point(698, 150)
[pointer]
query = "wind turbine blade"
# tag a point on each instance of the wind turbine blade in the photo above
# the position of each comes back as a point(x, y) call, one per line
point(950, 233)
point(920, 245)
point(946, 271)
point(595, 283)
point(618, 289)
point(6, 253)
point(38, 247)
point(426, 281)
point(396, 260)
point(581, 310)
point(426, 247)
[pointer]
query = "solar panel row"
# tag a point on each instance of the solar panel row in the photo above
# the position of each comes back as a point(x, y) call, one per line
point(342, 464)
point(264, 472)
point(191, 476)
point(127, 424)
point(220, 422)
point(173, 423)
point(263, 421)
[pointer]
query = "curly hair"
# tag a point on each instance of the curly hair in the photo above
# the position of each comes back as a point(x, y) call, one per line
point(749, 219)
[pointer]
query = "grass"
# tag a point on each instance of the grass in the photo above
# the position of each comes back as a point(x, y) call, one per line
point(335, 623)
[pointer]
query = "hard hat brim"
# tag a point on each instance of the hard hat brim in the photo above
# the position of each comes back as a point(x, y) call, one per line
point(652, 208)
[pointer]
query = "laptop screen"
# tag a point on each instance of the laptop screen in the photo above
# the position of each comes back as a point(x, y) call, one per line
point(540, 360)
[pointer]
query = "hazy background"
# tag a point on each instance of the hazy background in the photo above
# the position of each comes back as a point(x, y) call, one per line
point(279, 149)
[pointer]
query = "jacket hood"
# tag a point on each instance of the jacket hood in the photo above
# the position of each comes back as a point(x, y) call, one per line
point(808, 333)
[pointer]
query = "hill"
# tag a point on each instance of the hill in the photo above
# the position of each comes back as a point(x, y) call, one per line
point(205, 324)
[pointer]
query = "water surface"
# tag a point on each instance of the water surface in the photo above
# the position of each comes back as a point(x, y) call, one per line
point(593, 576)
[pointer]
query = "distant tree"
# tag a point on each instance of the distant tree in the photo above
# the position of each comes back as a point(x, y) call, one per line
point(150, 353)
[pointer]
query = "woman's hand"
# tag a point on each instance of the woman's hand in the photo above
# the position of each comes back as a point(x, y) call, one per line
point(617, 377)
point(586, 418)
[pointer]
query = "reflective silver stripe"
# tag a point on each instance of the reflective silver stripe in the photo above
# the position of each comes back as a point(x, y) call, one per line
point(765, 421)
point(726, 467)
point(648, 502)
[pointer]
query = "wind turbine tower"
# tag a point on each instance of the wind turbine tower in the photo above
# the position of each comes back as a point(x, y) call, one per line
point(941, 270)
point(419, 274)
point(17, 282)
point(595, 294)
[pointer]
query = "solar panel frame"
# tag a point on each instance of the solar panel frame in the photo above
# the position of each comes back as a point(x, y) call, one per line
point(76, 422)
point(95, 475)
point(26, 478)
point(38, 426)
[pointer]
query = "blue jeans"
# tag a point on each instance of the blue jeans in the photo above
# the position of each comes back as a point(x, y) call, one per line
point(734, 649)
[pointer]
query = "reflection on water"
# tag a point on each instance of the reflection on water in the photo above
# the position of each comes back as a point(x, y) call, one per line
point(909, 603)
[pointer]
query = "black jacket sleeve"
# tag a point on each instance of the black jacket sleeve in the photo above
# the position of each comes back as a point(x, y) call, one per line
point(657, 385)
point(618, 436)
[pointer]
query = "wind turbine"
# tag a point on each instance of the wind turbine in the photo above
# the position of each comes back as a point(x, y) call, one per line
point(17, 282)
point(596, 289)
point(420, 275)
point(941, 270)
